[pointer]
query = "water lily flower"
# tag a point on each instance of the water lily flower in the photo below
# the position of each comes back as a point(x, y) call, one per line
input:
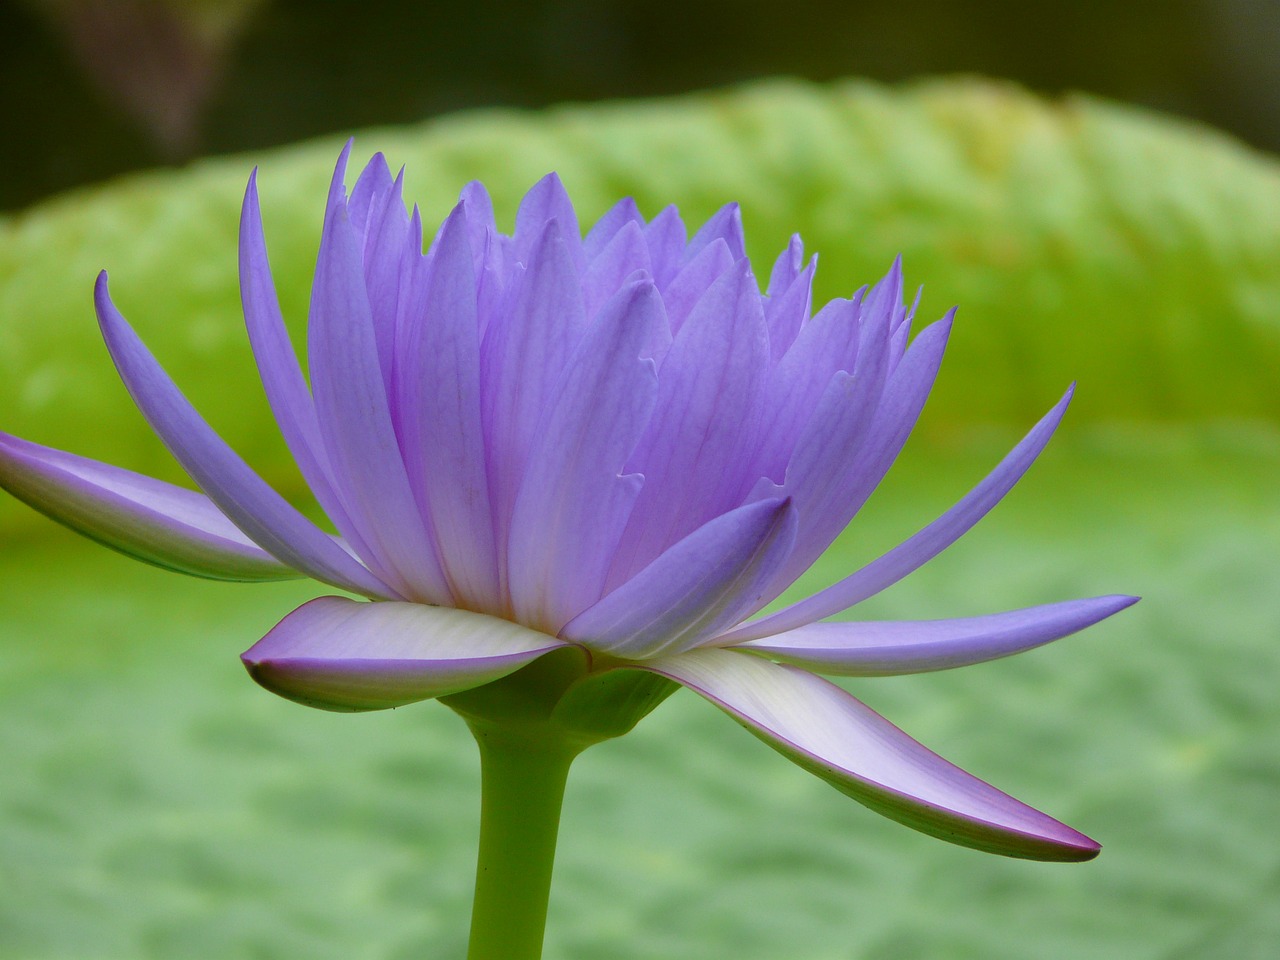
point(567, 475)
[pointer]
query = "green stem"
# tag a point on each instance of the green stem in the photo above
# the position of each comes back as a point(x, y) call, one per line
point(522, 788)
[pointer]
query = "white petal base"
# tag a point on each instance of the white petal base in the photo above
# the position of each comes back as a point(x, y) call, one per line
point(340, 654)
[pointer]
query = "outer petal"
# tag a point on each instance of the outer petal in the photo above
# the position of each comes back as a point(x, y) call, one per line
point(241, 494)
point(826, 731)
point(887, 648)
point(148, 519)
point(278, 366)
point(918, 549)
point(341, 654)
point(694, 589)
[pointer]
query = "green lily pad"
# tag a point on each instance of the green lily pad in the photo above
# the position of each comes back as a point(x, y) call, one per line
point(156, 804)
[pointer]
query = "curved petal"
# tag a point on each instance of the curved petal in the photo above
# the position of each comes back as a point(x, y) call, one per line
point(693, 589)
point(149, 519)
point(355, 416)
point(828, 732)
point(832, 478)
point(887, 648)
point(340, 654)
point(270, 521)
point(282, 379)
point(917, 550)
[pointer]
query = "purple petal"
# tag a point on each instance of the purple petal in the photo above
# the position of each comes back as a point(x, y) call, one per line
point(525, 354)
point(287, 392)
point(889, 648)
point(387, 240)
point(666, 238)
point(341, 654)
point(440, 410)
point(238, 492)
point(834, 477)
point(922, 547)
point(788, 309)
point(374, 181)
point(693, 281)
point(625, 254)
point(606, 228)
point(547, 200)
point(826, 345)
point(695, 589)
point(725, 224)
point(696, 452)
point(786, 267)
point(573, 502)
point(148, 519)
point(480, 222)
point(355, 418)
point(826, 731)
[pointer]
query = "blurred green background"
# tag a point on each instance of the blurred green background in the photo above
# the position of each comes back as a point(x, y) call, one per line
point(155, 804)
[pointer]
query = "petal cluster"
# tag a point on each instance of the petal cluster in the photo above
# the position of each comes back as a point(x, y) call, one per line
point(617, 443)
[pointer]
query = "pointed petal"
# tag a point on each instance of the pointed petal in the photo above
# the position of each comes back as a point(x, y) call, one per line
point(355, 417)
point(241, 494)
point(149, 519)
point(725, 224)
point(694, 589)
point(282, 380)
point(786, 267)
point(387, 238)
point(340, 654)
point(823, 729)
point(918, 549)
point(573, 502)
point(606, 228)
point(666, 238)
point(625, 254)
point(440, 408)
point(888, 648)
point(834, 479)
point(787, 311)
point(547, 200)
point(692, 282)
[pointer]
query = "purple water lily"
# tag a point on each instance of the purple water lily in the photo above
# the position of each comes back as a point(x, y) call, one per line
point(614, 447)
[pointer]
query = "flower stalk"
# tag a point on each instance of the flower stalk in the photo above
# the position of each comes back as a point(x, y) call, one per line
point(522, 787)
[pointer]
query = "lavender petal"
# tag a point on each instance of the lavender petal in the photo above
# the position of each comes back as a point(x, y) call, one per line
point(355, 417)
point(149, 519)
point(694, 589)
point(826, 731)
point(347, 655)
point(573, 501)
point(889, 648)
point(263, 515)
point(918, 549)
